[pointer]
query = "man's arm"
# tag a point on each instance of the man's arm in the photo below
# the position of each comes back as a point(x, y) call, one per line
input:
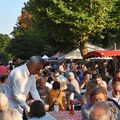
point(34, 91)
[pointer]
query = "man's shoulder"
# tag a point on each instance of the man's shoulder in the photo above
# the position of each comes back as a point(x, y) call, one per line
point(18, 71)
point(19, 68)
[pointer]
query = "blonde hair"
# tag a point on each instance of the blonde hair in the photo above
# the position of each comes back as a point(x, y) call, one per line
point(4, 101)
point(12, 114)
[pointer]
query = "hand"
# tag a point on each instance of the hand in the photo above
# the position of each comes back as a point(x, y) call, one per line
point(30, 102)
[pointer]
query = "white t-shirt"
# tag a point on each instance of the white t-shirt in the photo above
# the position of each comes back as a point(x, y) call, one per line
point(110, 95)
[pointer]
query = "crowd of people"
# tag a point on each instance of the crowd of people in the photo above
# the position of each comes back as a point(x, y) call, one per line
point(29, 90)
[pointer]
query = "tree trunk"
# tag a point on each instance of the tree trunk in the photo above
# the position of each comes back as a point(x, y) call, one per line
point(83, 46)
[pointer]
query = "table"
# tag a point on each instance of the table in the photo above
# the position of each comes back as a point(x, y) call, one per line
point(64, 115)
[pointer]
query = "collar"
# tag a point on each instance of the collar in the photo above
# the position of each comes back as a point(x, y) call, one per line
point(27, 71)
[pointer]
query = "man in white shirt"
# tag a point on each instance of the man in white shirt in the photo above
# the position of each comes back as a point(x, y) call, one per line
point(115, 92)
point(21, 81)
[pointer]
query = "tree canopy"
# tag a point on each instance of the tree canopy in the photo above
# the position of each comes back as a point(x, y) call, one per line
point(4, 42)
point(48, 26)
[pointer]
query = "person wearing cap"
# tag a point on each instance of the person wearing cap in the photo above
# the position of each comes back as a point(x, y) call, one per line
point(73, 86)
point(3, 77)
point(21, 81)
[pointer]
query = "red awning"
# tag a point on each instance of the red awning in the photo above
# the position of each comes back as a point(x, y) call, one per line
point(102, 53)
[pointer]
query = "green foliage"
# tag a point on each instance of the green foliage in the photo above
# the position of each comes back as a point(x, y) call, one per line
point(4, 42)
point(82, 18)
point(62, 25)
point(25, 45)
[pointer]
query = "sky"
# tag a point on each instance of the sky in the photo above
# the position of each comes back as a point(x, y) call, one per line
point(10, 10)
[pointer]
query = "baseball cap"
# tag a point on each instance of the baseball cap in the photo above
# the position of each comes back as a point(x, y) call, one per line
point(70, 74)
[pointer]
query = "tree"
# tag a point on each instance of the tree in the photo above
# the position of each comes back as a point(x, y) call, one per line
point(62, 25)
point(24, 19)
point(83, 18)
point(4, 42)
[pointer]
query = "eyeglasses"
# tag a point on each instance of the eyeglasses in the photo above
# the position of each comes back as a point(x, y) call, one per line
point(56, 76)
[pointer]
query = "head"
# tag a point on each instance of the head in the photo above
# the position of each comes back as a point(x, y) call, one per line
point(61, 63)
point(17, 61)
point(3, 78)
point(90, 86)
point(37, 109)
point(100, 111)
point(35, 64)
point(11, 114)
point(117, 73)
point(98, 94)
point(116, 87)
point(56, 85)
point(3, 102)
point(56, 75)
point(97, 78)
point(86, 76)
point(71, 76)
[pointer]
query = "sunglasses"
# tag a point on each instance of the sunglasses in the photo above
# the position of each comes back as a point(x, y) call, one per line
point(56, 76)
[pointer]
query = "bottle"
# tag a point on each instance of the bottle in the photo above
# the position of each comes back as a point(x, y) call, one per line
point(71, 104)
point(71, 107)
point(71, 96)
point(56, 106)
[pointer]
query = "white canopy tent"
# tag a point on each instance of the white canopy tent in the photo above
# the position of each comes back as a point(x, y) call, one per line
point(45, 57)
point(76, 54)
point(92, 47)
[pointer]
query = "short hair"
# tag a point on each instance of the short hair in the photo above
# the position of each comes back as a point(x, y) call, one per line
point(11, 114)
point(98, 90)
point(3, 78)
point(97, 75)
point(4, 101)
point(56, 85)
point(37, 109)
point(105, 115)
point(85, 73)
point(35, 60)
point(56, 73)
point(91, 85)
point(115, 80)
